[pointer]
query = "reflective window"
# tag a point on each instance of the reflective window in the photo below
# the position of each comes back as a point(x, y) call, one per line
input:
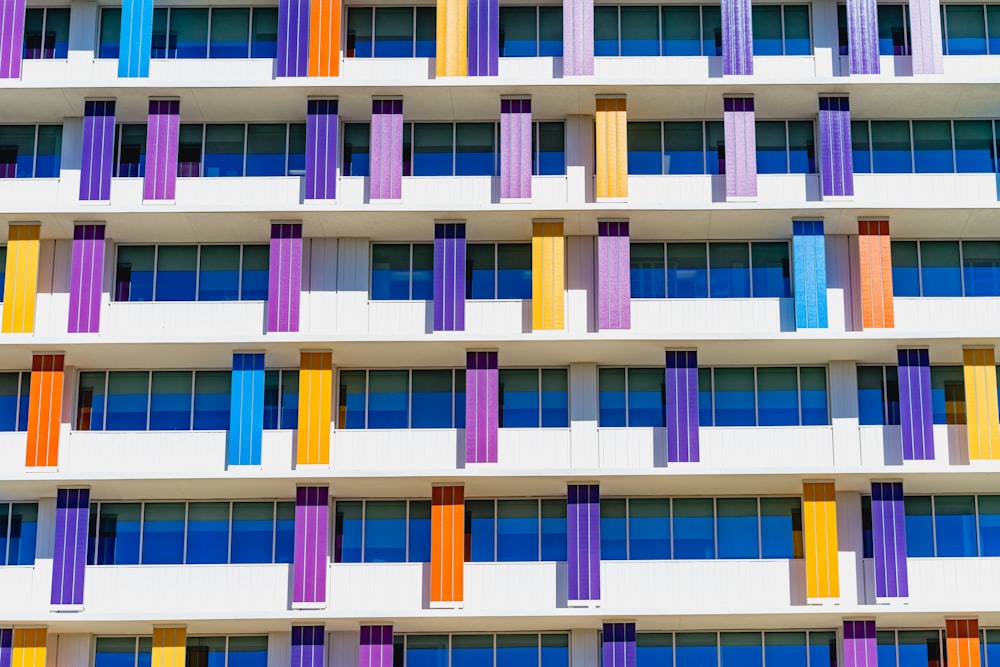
point(528, 32)
point(533, 397)
point(878, 395)
point(281, 399)
point(893, 29)
point(482, 650)
point(15, 394)
point(123, 652)
point(30, 151)
point(419, 398)
point(923, 146)
point(192, 273)
point(910, 648)
point(18, 533)
point(515, 530)
point(46, 33)
point(781, 30)
point(693, 30)
point(970, 29)
point(200, 32)
point(241, 149)
point(498, 271)
point(402, 272)
point(382, 531)
point(946, 268)
point(952, 526)
point(390, 32)
point(736, 649)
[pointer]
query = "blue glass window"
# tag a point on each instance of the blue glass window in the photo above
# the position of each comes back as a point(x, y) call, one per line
point(387, 399)
point(693, 528)
point(886, 647)
point(224, 145)
point(705, 397)
point(253, 532)
point(264, 32)
point(253, 272)
point(822, 649)
point(729, 270)
point(433, 398)
point(130, 151)
point(163, 533)
point(777, 397)
point(480, 531)
point(878, 395)
point(645, 145)
point(281, 399)
point(433, 149)
point(18, 533)
point(611, 396)
point(110, 32)
point(981, 267)
point(614, 543)
point(649, 528)
point(427, 651)
point(357, 145)
point(30, 151)
point(515, 651)
point(687, 271)
point(206, 651)
point(893, 30)
point(801, 144)
point(948, 394)
point(919, 526)
point(176, 273)
point(189, 150)
point(348, 530)
point(518, 32)
point(549, 140)
point(127, 401)
point(681, 31)
point(555, 398)
point(212, 400)
point(772, 149)
point(919, 648)
point(394, 33)
point(646, 396)
point(654, 649)
point(606, 31)
point(867, 531)
point(989, 525)
point(46, 33)
point(647, 271)
point(15, 394)
point(696, 649)
point(861, 153)
point(208, 533)
point(740, 649)
point(360, 31)
point(284, 532)
point(932, 147)
point(420, 531)
point(480, 271)
point(353, 389)
point(964, 27)
point(472, 650)
point(554, 539)
point(770, 270)
point(715, 144)
point(498, 271)
point(114, 534)
point(973, 143)
point(905, 269)
point(955, 525)
point(734, 397)
point(796, 22)
point(475, 149)
point(891, 146)
point(170, 401)
point(267, 149)
point(785, 649)
point(780, 528)
point(639, 31)
point(683, 142)
point(738, 528)
point(940, 268)
point(519, 398)
point(230, 35)
point(517, 530)
point(402, 271)
point(247, 652)
point(767, 40)
point(385, 531)
point(121, 652)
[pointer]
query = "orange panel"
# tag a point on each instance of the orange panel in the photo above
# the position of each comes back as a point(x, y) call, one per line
point(324, 37)
point(875, 259)
point(447, 543)
point(963, 642)
point(44, 410)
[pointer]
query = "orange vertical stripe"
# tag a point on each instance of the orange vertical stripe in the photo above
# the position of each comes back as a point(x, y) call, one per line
point(963, 642)
point(875, 259)
point(44, 410)
point(447, 543)
point(324, 37)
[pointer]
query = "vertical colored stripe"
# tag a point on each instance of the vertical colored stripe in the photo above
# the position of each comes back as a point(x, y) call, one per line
point(740, 147)
point(284, 277)
point(376, 646)
point(614, 283)
point(246, 410)
point(889, 540)
point(11, 38)
point(547, 275)
point(447, 543)
point(169, 647)
point(312, 518)
point(324, 37)
point(386, 167)
point(862, 36)
point(835, 156)
point(136, 38)
point(611, 148)
point(482, 406)
point(28, 647)
point(682, 406)
point(963, 642)
point(162, 141)
point(583, 536)
point(515, 149)
point(618, 645)
point(86, 279)
point(452, 37)
point(915, 412)
point(21, 282)
point(484, 37)
point(737, 37)
point(309, 646)
point(69, 559)
point(809, 261)
point(44, 411)
point(449, 276)
point(578, 38)
point(875, 261)
point(293, 38)
point(860, 645)
point(6, 646)
point(98, 149)
point(315, 396)
point(925, 37)
point(819, 522)
point(981, 403)
point(321, 149)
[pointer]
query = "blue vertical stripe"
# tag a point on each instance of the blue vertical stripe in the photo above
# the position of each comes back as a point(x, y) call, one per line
point(809, 259)
point(136, 38)
point(246, 414)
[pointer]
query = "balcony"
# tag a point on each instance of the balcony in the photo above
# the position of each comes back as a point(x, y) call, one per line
point(975, 315)
point(882, 448)
point(658, 69)
point(706, 191)
point(453, 193)
point(711, 318)
point(220, 320)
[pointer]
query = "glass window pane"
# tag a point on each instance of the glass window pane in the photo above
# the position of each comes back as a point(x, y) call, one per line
point(264, 34)
point(516, 650)
point(777, 397)
point(555, 398)
point(359, 32)
point(549, 149)
point(993, 27)
point(391, 271)
point(683, 142)
point(693, 529)
point(518, 32)
point(265, 149)
point(254, 276)
point(614, 544)
point(432, 399)
point(729, 270)
point(111, 28)
point(347, 531)
point(989, 525)
point(208, 533)
point(646, 396)
point(176, 272)
point(519, 398)
point(385, 531)
point(517, 530)
point(550, 32)
point(427, 651)
point(163, 533)
point(17, 151)
point(230, 33)
point(696, 649)
point(966, 30)
point(822, 649)
point(647, 271)
point(781, 527)
point(23, 534)
point(649, 528)
point(955, 525)
point(134, 273)
point(284, 532)
point(130, 149)
point(644, 148)
point(973, 140)
point(212, 400)
point(224, 150)
point(801, 146)
point(459, 399)
point(423, 271)
point(687, 271)
point(189, 150)
point(357, 138)
point(206, 652)
point(48, 156)
point(981, 267)
point(892, 31)
point(170, 401)
point(705, 397)
point(475, 150)
point(10, 384)
point(296, 150)
point(905, 269)
point(681, 27)
point(639, 27)
point(919, 529)
point(738, 529)
point(770, 273)
point(480, 271)
point(940, 271)
point(611, 396)
point(948, 394)
point(785, 649)
point(472, 651)
point(918, 648)
point(871, 397)
point(734, 397)
point(351, 403)
point(253, 533)
point(554, 529)
point(886, 647)
point(479, 531)
point(812, 392)
point(715, 143)
point(606, 31)
point(128, 394)
point(426, 28)
point(388, 398)
point(393, 32)
point(189, 31)
point(740, 649)
point(117, 540)
point(891, 145)
point(247, 652)
point(654, 649)
point(932, 149)
point(289, 399)
point(797, 41)
point(772, 156)
point(219, 275)
point(432, 149)
point(420, 531)
point(860, 147)
point(766, 21)
point(514, 271)
point(114, 652)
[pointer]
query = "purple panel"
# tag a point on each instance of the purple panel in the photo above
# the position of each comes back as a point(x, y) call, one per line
point(321, 150)
point(481, 407)
point(312, 507)
point(449, 276)
point(484, 37)
point(98, 150)
point(618, 645)
point(741, 147)
point(682, 407)
point(737, 37)
point(162, 136)
point(860, 647)
point(925, 37)
point(614, 284)
point(86, 279)
point(386, 158)
point(376, 646)
point(70, 558)
point(862, 36)
point(285, 277)
point(835, 157)
point(889, 540)
point(293, 37)
point(578, 38)
point(915, 412)
point(515, 149)
point(6, 647)
point(11, 38)
point(308, 646)
point(583, 533)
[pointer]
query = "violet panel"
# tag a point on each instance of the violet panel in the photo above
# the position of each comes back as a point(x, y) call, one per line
point(284, 277)
point(614, 287)
point(915, 412)
point(683, 445)
point(515, 149)
point(449, 276)
point(741, 147)
point(737, 37)
point(618, 645)
point(375, 648)
point(860, 647)
point(70, 555)
point(835, 156)
point(578, 38)
point(321, 150)
point(11, 38)
point(293, 38)
point(862, 36)
point(484, 37)
point(584, 542)
point(308, 646)
point(98, 150)
point(311, 544)
point(889, 540)
point(86, 279)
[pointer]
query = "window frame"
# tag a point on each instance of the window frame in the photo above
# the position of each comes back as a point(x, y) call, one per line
point(986, 27)
point(8, 527)
point(913, 154)
point(371, 269)
point(208, 33)
point(409, 398)
point(197, 271)
point(246, 138)
point(23, 378)
point(496, 268)
point(401, 641)
point(961, 267)
point(364, 528)
point(34, 155)
point(541, 407)
point(45, 24)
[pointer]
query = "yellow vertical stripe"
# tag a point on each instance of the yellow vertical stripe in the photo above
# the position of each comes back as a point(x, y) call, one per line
point(315, 397)
point(452, 38)
point(981, 403)
point(819, 523)
point(169, 647)
point(548, 251)
point(612, 148)
point(21, 280)
point(28, 649)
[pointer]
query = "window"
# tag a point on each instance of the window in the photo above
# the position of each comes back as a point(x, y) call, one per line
point(736, 649)
point(912, 648)
point(123, 652)
point(402, 272)
point(503, 650)
point(281, 399)
point(391, 32)
point(952, 526)
point(781, 30)
point(878, 395)
point(229, 651)
point(498, 271)
point(421, 398)
point(15, 392)
point(527, 32)
point(655, 31)
point(357, 149)
point(174, 533)
point(533, 397)
point(382, 531)
point(631, 396)
point(757, 269)
point(253, 149)
point(18, 533)
point(683, 147)
point(515, 530)
point(946, 268)
point(923, 146)
point(785, 147)
point(30, 151)
point(970, 29)
point(130, 151)
point(693, 30)
point(192, 273)
point(46, 33)
point(893, 29)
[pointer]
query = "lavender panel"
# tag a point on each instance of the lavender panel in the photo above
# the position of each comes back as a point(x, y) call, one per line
point(376, 646)
point(835, 157)
point(321, 150)
point(741, 147)
point(860, 647)
point(578, 38)
point(683, 445)
point(618, 645)
point(614, 284)
point(310, 560)
point(515, 149)
point(70, 557)
point(449, 276)
point(737, 37)
point(915, 412)
point(293, 38)
point(11, 38)
point(308, 646)
point(889, 540)
point(481, 407)
point(484, 37)
point(386, 158)
point(583, 535)
point(162, 136)
point(862, 36)
point(284, 277)
point(98, 150)
point(925, 37)
point(86, 279)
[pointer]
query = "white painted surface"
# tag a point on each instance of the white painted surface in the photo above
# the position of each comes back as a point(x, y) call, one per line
point(533, 449)
point(509, 587)
point(397, 450)
point(975, 315)
point(378, 588)
point(716, 316)
point(222, 320)
point(882, 448)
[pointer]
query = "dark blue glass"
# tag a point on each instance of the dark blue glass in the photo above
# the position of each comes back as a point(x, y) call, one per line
point(973, 144)
point(425, 44)
point(989, 525)
point(115, 652)
point(176, 273)
point(391, 271)
point(860, 147)
point(801, 143)
point(554, 529)
point(388, 398)
point(639, 31)
point(357, 139)
point(693, 524)
point(480, 530)
point(932, 147)
point(738, 529)
point(734, 397)
point(550, 32)
point(514, 271)
point(813, 396)
point(264, 33)
point(22, 409)
point(223, 150)
point(475, 149)
point(892, 31)
point(433, 149)
point(420, 531)
point(919, 526)
point(134, 273)
point(110, 34)
point(516, 651)
point(955, 525)
point(867, 531)
point(772, 149)
point(649, 529)
point(352, 399)
point(681, 31)
point(163, 533)
point(170, 401)
point(767, 31)
point(423, 272)
point(212, 400)
point(284, 533)
point(459, 399)
point(517, 530)
point(644, 148)
point(891, 150)
point(117, 535)
point(646, 395)
point(796, 38)
point(393, 32)
point(10, 384)
point(555, 398)
point(432, 399)
point(683, 147)
point(427, 651)
point(549, 144)
point(519, 398)
point(886, 648)
point(266, 149)
point(940, 268)
point(777, 397)
point(128, 394)
point(770, 274)
point(289, 399)
point(480, 271)
point(740, 649)
point(966, 33)
point(208, 533)
point(254, 272)
point(729, 270)
point(472, 651)
point(611, 396)
point(206, 651)
point(948, 394)
point(696, 649)
point(219, 273)
point(785, 649)
point(606, 31)
point(614, 544)
point(230, 36)
point(992, 645)
point(705, 397)
point(296, 150)
point(919, 648)
point(189, 31)
point(654, 649)
point(23, 534)
point(822, 649)
point(981, 267)
point(647, 271)
point(687, 271)
point(780, 527)
point(348, 531)
point(247, 652)
point(519, 32)
point(385, 531)
point(253, 533)
point(905, 269)
point(359, 34)
point(555, 650)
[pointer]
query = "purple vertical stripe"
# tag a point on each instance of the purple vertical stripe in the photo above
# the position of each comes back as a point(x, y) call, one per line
point(11, 38)
point(481, 407)
point(583, 534)
point(578, 38)
point(70, 557)
point(321, 149)
point(6, 647)
point(614, 283)
point(376, 646)
point(925, 37)
point(741, 147)
point(915, 413)
point(862, 36)
point(682, 406)
point(308, 646)
point(515, 149)
point(484, 37)
point(284, 277)
point(386, 158)
point(293, 38)
point(162, 137)
point(618, 645)
point(86, 279)
point(860, 647)
point(98, 150)
point(835, 157)
point(889, 540)
point(311, 525)
point(737, 37)
point(449, 276)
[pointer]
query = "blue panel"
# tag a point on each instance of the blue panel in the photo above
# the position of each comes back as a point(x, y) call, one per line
point(737, 528)
point(649, 529)
point(163, 533)
point(809, 257)
point(693, 529)
point(136, 38)
point(517, 530)
point(696, 649)
point(785, 649)
point(516, 650)
point(246, 410)
point(654, 649)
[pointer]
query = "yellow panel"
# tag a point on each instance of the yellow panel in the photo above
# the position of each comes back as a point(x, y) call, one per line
point(548, 250)
point(981, 403)
point(611, 148)
point(22, 279)
point(819, 523)
point(452, 38)
point(28, 647)
point(315, 397)
point(169, 647)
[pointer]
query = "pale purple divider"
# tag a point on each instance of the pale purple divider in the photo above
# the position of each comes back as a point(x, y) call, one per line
point(835, 156)
point(86, 279)
point(515, 149)
point(386, 159)
point(915, 412)
point(484, 37)
point(284, 277)
point(583, 536)
point(312, 518)
point(293, 38)
point(321, 149)
point(69, 559)
point(308, 646)
point(578, 38)
point(618, 645)
point(683, 444)
point(741, 147)
point(737, 37)
point(862, 36)
point(11, 38)
point(925, 37)
point(482, 404)
point(614, 285)
point(98, 150)
point(376, 646)
point(889, 540)
point(162, 136)
point(860, 647)
point(449, 276)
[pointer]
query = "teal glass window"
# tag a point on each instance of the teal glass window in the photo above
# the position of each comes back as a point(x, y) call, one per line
point(224, 146)
point(518, 32)
point(740, 649)
point(681, 31)
point(933, 151)
point(891, 146)
point(18, 533)
point(734, 397)
point(15, 394)
point(109, 34)
point(905, 268)
point(611, 397)
point(893, 30)
point(614, 531)
point(553, 526)
point(114, 535)
point(974, 143)
point(163, 533)
point(360, 30)
point(649, 528)
point(878, 395)
point(130, 151)
point(402, 271)
point(357, 147)
point(683, 142)
point(46, 33)
point(189, 273)
point(475, 149)
point(777, 396)
point(639, 31)
point(30, 151)
point(964, 30)
point(861, 150)
point(123, 652)
point(729, 270)
point(738, 528)
point(687, 270)
point(693, 524)
point(402, 399)
point(548, 148)
point(480, 531)
point(264, 32)
point(230, 34)
point(940, 268)
point(390, 32)
point(433, 149)
point(170, 401)
point(644, 148)
point(267, 149)
point(606, 31)
point(208, 533)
